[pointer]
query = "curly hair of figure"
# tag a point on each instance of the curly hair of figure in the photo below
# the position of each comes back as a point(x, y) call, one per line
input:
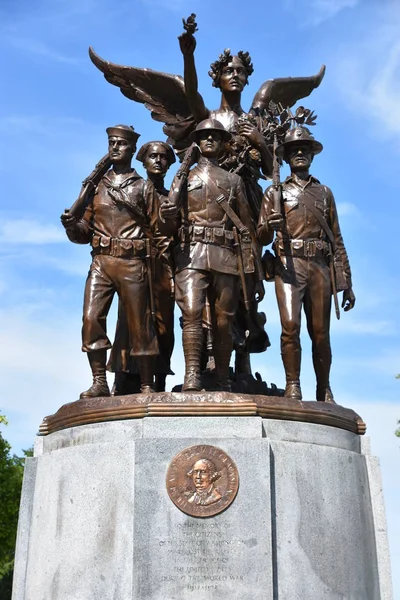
point(214, 474)
point(223, 59)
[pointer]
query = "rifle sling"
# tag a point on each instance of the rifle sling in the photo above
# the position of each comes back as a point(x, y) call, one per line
point(220, 198)
point(321, 220)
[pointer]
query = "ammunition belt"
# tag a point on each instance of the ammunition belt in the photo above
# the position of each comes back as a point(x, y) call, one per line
point(218, 236)
point(119, 247)
point(302, 248)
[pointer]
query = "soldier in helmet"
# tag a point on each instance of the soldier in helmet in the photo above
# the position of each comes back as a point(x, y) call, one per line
point(307, 241)
point(116, 224)
point(206, 262)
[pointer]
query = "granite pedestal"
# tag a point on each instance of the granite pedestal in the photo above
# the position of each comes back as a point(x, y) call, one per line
point(307, 523)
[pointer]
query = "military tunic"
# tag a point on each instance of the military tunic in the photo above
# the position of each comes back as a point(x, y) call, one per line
point(302, 273)
point(163, 289)
point(117, 233)
point(206, 262)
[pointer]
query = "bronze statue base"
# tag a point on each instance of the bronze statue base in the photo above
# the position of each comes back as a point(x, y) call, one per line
point(136, 406)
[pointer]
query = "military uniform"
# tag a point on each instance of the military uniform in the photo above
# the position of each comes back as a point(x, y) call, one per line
point(303, 276)
point(121, 359)
point(117, 233)
point(206, 264)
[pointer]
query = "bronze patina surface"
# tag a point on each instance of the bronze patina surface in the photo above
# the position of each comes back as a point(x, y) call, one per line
point(202, 481)
point(137, 406)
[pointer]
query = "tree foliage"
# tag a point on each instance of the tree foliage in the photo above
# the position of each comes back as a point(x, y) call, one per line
point(11, 473)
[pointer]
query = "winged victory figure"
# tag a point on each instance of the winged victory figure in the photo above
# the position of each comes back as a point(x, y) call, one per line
point(176, 102)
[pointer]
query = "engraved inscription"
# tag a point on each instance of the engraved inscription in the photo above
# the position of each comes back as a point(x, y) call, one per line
point(202, 556)
point(202, 481)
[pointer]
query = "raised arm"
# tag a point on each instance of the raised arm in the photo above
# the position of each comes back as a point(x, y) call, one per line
point(187, 43)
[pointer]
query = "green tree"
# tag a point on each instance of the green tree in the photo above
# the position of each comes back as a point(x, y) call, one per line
point(11, 473)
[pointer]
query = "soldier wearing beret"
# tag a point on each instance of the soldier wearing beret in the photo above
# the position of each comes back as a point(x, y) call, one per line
point(308, 244)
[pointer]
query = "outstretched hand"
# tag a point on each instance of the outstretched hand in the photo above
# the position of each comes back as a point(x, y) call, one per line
point(187, 43)
point(349, 299)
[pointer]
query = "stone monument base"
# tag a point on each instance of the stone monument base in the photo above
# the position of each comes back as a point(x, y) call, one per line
point(97, 520)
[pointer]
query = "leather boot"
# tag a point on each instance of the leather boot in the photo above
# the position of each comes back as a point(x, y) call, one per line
point(192, 338)
point(242, 362)
point(324, 394)
point(322, 359)
point(291, 361)
point(293, 390)
point(146, 374)
point(192, 381)
point(222, 354)
point(125, 383)
point(97, 361)
point(160, 382)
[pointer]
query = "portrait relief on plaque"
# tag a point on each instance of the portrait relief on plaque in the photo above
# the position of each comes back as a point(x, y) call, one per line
point(202, 481)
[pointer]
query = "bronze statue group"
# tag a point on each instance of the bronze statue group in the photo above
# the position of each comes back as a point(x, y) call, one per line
point(200, 243)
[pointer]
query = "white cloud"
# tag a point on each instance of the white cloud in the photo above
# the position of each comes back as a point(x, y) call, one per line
point(368, 72)
point(347, 209)
point(38, 48)
point(314, 12)
point(366, 326)
point(26, 231)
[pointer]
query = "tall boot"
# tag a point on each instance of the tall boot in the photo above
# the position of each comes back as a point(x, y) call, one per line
point(322, 367)
point(160, 382)
point(222, 354)
point(291, 361)
point(193, 339)
point(146, 368)
point(97, 361)
point(242, 362)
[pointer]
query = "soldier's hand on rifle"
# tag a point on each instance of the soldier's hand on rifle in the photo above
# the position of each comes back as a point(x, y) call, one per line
point(67, 219)
point(259, 292)
point(168, 210)
point(187, 43)
point(275, 221)
point(349, 299)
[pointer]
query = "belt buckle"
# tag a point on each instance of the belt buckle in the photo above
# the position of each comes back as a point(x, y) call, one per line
point(113, 247)
point(208, 234)
point(310, 249)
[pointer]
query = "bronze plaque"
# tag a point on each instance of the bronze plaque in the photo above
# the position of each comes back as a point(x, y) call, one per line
point(202, 481)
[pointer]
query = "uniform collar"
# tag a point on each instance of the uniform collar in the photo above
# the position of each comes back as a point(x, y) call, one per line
point(301, 183)
point(122, 178)
point(207, 162)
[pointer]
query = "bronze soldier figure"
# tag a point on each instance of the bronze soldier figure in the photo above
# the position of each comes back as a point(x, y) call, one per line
point(156, 158)
point(115, 223)
point(208, 260)
point(308, 245)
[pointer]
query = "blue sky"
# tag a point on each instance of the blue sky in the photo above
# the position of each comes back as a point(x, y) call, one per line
point(55, 107)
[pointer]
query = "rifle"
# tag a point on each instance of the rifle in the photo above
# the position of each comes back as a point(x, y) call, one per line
point(276, 182)
point(149, 266)
point(88, 185)
point(180, 178)
point(207, 324)
point(238, 250)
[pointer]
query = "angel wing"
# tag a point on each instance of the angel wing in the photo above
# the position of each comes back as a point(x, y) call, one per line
point(286, 90)
point(161, 93)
